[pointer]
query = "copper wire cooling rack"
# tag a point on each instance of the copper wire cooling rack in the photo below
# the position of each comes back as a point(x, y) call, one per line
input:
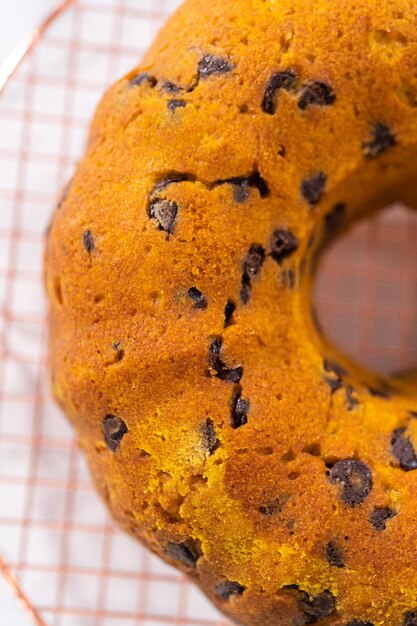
point(61, 555)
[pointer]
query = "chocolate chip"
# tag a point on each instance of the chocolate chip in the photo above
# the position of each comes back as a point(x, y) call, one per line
point(229, 309)
point(316, 92)
point(119, 350)
point(241, 185)
point(114, 429)
point(334, 383)
point(313, 607)
point(176, 104)
point(410, 618)
point(200, 301)
point(334, 554)
point(210, 441)
point(186, 552)
point(333, 220)
point(380, 516)
point(270, 509)
point(316, 607)
point(359, 622)
point(403, 450)
point(379, 393)
point(165, 212)
point(217, 365)
point(241, 190)
point(312, 188)
point(351, 401)
point(245, 289)
point(228, 589)
point(216, 348)
point(274, 507)
point(251, 266)
point(88, 241)
point(283, 244)
point(239, 410)
point(279, 80)
point(254, 260)
point(143, 77)
point(355, 479)
point(337, 371)
point(382, 139)
point(332, 366)
point(211, 64)
point(171, 87)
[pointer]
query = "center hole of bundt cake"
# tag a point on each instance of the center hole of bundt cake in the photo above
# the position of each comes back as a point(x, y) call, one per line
point(365, 292)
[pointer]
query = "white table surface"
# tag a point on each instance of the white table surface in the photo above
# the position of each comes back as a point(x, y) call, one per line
point(17, 19)
point(10, 615)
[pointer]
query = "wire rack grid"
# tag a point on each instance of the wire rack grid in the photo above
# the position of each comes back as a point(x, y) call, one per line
point(60, 553)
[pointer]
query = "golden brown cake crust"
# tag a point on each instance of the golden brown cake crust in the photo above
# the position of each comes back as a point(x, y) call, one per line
point(216, 423)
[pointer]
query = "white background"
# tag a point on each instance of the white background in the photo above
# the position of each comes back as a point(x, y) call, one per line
point(17, 19)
